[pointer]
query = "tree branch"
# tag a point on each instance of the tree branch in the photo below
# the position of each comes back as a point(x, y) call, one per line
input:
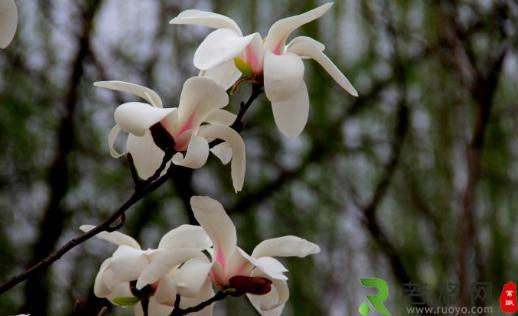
point(177, 311)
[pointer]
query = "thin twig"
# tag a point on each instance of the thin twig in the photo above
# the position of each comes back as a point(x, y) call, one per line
point(105, 226)
point(177, 311)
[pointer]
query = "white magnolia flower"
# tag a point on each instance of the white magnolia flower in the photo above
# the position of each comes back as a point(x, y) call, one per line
point(131, 263)
point(272, 60)
point(198, 120)
point(8, 22)
point(259, 275)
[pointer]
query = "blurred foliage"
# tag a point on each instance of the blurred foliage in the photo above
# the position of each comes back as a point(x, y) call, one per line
point(398, 152)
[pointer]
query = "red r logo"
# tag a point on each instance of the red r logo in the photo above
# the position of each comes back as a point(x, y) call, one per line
point(508, 301)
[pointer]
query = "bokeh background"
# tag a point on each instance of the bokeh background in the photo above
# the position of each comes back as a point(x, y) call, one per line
point(415, 181)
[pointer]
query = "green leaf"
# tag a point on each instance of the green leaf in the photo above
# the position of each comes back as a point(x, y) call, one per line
point(243, 66)
point(126, 301)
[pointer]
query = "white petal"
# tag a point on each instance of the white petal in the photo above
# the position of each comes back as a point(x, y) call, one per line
point(100, 288)
point(199, 97)
point(230, 136)
point(283, 75)
point(116, 238)
point(192, 276)
point(112, 137)
point(212, 217)
point(165, 263)
point(166, 291)
point(135, 117)
point(8, 22)
point(225, 74)
point(146, 155)
point(291, 115)
point(302, 39)
point(281, 30)
point(271, 304)
point(119, 290)
point(208, 19)
point(240, 263)
point(223, 151)
point(221, 117)
point(220, 46)
point(286, 246)
point(196, 155)
point(145, 93)
point(127, 263)
point(310, 48)
point(206, 292)
point(186, 236)
point(271, 267)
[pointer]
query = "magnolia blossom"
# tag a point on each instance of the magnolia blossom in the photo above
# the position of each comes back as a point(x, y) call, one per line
point(130, 263)
point(259, 276)
point(8, 22)
point(198, 120)
point(226, 53)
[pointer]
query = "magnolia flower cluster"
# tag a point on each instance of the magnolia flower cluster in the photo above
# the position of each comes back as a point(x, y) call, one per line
point(225, 58)
point(8, 22)
point(191, 260)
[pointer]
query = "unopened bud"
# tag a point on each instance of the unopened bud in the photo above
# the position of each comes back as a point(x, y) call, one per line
point(250, 285)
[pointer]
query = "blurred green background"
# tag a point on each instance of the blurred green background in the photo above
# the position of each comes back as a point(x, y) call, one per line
point(415, 181)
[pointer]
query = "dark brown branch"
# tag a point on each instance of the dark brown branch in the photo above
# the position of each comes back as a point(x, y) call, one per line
point(177, 311)
point(482, 84)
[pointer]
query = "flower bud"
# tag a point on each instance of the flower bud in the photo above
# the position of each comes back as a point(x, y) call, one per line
point(250, 285)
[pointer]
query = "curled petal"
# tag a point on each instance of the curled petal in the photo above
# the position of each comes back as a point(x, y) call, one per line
point(200, 96)
point(308, 47)
point(116, 238)
point(192, 276)
point(291, 115)
point(271, 304)
point(186, 236)
point(302, 39)
point(225, 74)
point(230, 136)
point(271, 267)
point(220, 117)
point(212, 217)
point(286, 246)
point(196, 155)
point(283, 75)
point(112, 137)
point(100, 288)
point(135, 117)
point(208, 19)
point(220, 46)
point(223, 151)
point(164, 264)
point(8, 22)
point(145, 93)
point(147, 157)
point(281, 30)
